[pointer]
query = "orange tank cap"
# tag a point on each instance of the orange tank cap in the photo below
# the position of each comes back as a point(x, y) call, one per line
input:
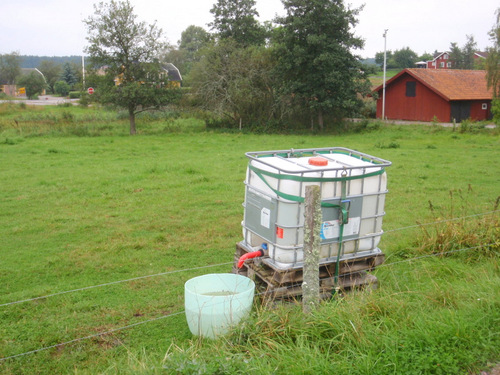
point(318, 161)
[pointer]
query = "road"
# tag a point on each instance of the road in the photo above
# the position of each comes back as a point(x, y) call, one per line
point(44, 100)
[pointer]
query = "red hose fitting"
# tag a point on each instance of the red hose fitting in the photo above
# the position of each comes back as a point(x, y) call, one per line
point(254, 254)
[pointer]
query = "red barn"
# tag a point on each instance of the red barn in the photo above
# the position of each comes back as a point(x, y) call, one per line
point(442, 94)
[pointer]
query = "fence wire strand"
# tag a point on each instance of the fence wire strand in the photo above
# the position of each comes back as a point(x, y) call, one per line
point(212, 266)
point(217, 265)
point(91, 336)
point(114, 283)
point(440, 221)
point(258, 294)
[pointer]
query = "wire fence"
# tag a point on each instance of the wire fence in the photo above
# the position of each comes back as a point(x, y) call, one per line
point(219, 265)
point(113, 283)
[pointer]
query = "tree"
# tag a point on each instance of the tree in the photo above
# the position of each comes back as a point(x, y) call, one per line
point(68, 75)
point(493, 68)
point(468, 52)
point(379, 57)
point(52, 72)
point(10, 68)
point(34, 83)
point(236, 19)
point(426, 56)
point(236, 83)
point(193, 39)
point(456, 57)
point(405, 58)
point(130, 51)
point(463, 58)
point(315, 62)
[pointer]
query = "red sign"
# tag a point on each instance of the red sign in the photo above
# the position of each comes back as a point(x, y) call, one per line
point(90, 90)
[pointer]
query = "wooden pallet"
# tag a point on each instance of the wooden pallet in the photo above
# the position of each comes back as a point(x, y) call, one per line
point(279, 284)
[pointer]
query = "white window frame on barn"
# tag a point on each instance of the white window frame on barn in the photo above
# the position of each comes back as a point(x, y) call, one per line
point(484, 106)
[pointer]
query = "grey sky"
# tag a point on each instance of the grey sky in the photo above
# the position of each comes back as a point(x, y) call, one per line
point(55, 27)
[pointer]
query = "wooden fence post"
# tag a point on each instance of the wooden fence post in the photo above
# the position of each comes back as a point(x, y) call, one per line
point(312, 228)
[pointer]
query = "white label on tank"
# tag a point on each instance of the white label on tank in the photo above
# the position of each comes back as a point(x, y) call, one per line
point(331, 229)
point(265, 217)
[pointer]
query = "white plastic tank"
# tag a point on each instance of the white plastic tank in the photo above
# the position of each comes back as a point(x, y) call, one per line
point(353, 187)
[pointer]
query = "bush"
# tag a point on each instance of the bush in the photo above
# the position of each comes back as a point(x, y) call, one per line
point(61, 88)
point(495, 110)
point(75, 94)
point(34, 84)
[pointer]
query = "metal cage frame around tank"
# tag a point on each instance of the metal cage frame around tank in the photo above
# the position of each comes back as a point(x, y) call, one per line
point(343, 175)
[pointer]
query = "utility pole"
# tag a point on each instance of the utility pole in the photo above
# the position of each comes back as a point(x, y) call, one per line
point(385, 65)
point(83, 72)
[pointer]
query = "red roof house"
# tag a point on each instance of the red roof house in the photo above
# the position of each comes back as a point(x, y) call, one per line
point(442, 94)
point(440, 61)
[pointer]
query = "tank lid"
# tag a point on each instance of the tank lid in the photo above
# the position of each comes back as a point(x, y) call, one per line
point(318, 161)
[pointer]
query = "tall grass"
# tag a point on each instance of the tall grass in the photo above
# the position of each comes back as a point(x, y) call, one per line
point(79, 211)
point(19, 120)
point(460, 228)
point(437, 319)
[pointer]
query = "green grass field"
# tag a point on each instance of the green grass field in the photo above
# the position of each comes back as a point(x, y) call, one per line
point(378, 79)
point(82, 204)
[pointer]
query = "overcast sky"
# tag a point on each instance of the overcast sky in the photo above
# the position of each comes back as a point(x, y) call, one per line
point(55, 27)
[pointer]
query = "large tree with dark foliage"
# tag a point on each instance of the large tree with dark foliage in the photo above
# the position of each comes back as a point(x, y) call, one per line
point(405, 58)
point(129, 51)
point(463, 58)
point(316, 64)
point(235, 19)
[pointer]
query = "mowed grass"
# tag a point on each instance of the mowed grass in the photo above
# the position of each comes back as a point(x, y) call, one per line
point(79, 211)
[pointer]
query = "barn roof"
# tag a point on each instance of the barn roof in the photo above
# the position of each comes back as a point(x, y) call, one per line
point(451, 84)
point(173, 72)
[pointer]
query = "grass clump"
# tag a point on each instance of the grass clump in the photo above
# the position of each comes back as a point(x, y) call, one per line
point(408, 327)
point(457, 227)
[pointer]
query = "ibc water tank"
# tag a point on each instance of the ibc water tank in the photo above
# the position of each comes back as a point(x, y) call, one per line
point(353, 186)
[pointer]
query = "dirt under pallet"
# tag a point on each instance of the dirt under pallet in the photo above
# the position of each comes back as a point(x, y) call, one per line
point(284, 284)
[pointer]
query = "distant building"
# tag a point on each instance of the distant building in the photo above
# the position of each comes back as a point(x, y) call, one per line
point(15, 90)
point(442, 60)
point(174, 77)
point(444, 94)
